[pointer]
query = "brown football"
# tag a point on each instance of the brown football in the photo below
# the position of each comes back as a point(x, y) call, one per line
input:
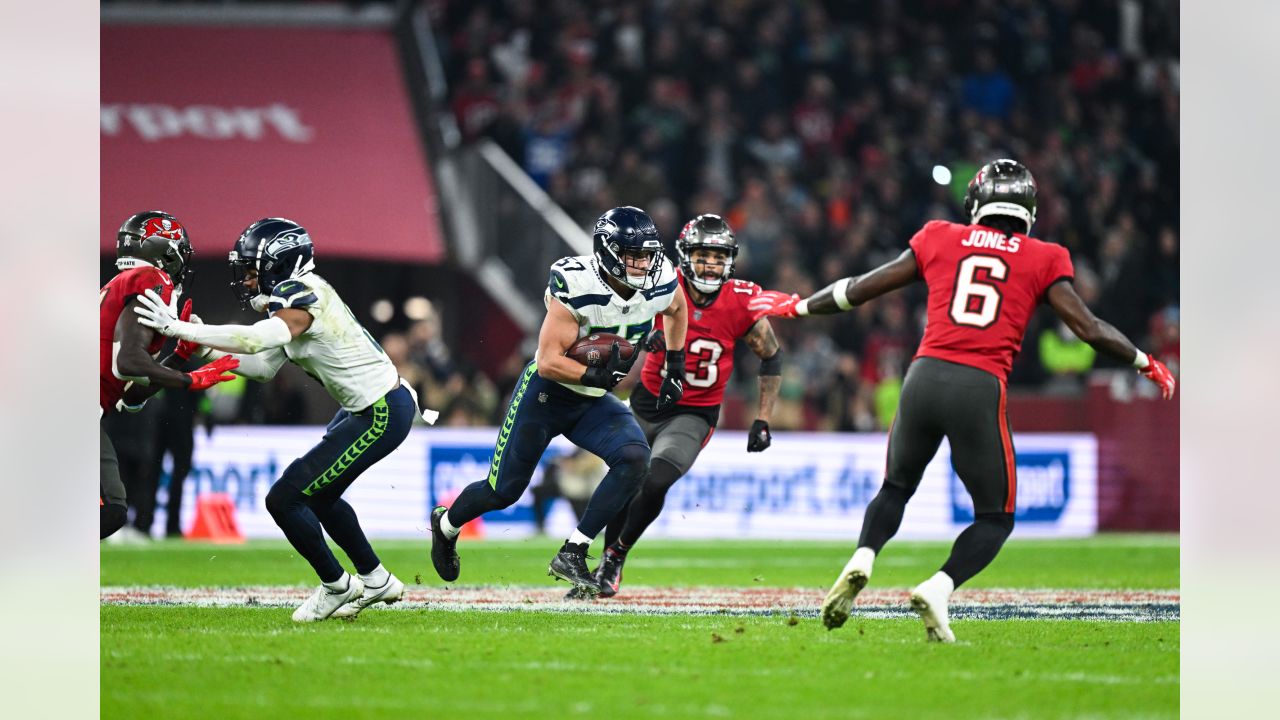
point(593, 350)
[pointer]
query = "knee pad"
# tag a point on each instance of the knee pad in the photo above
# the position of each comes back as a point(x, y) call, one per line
point(111, 517)
point(1001, 520)
point(283, 496)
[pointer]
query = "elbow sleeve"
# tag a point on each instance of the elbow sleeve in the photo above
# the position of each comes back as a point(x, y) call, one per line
point(772, 365)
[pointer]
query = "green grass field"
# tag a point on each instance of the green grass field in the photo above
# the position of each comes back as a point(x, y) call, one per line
point(250, 662)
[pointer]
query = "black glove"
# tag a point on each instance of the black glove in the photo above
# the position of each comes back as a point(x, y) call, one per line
point(759, 438)
point(655, 341)
point(610, 373)
point(673, 385)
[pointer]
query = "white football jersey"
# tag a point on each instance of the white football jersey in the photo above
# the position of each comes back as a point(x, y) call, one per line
point(336, 350)
point(576, 283)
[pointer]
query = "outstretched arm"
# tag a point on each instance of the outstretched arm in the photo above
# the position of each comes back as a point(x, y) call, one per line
point(1104, 337)
point(843, 294)
point(274, 332)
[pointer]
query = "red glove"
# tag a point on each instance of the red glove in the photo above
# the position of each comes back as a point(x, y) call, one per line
point(773, 303)
point(1156, 372)
point(213, 373)
point(186, 348)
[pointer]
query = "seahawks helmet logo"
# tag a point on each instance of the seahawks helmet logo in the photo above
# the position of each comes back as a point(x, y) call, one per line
point(606, 226)
point(286, 240)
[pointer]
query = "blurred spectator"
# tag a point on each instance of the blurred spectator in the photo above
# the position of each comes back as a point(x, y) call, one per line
point(815, 127)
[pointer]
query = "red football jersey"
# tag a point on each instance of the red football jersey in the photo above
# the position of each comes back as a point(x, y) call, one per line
point(111, 302)
point(983, 288)
point(713, 330)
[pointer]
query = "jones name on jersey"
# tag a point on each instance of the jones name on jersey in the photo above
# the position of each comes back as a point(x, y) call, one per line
point(576, 282)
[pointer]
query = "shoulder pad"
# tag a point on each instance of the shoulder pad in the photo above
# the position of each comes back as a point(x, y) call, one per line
point(148, 277)
point(291, 294)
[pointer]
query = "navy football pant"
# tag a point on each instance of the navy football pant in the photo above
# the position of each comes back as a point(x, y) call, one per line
point(540, 410)
point(308, 496)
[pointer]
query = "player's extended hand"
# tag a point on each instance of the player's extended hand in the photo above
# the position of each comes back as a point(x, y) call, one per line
point(611, 372)
point(759, 438)
point(157, 314)
point(655, 341)
point(772, 303)
point(1156, 372)
point(673, 384)
point(186, 348)
point(215, 372)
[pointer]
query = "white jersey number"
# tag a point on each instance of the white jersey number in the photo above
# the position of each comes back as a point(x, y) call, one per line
point(976, 303)
point(708, 352)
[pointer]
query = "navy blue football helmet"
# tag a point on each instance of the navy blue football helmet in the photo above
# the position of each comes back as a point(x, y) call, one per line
point(626, 237)
point(277, 248)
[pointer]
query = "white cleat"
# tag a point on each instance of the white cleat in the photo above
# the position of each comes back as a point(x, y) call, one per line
point(324, 602)
point(391, 591)
point(839, 601)
point(929, 600)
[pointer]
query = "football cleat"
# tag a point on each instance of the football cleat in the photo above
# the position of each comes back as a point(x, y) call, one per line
point(391, 591)
point(609, 574)
point(929, 600)
point(444, 552)
point(571, 564)
point(839, 601)
point(324, 602)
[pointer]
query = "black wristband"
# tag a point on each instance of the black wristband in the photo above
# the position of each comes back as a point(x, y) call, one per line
point(772, 365)
point(675, 362)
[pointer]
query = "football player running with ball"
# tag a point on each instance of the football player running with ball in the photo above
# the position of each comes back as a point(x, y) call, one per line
point(618, 289)
point(308, 324)
point(721, 310)
point(153, 254)
point(984, 279)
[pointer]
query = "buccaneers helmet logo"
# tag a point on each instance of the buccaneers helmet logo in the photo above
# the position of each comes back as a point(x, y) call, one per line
point(162, 227)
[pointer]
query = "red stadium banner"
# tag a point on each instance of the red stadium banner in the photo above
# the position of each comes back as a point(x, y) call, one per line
point(222, 126)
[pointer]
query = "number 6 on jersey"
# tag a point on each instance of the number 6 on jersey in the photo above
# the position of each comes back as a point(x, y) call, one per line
point(976, 302)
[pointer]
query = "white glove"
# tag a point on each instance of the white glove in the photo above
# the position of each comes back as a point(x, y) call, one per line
point(157, 315)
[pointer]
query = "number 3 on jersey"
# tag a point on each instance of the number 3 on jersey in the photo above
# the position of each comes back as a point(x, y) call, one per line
point(708, 352)
point(976, 299)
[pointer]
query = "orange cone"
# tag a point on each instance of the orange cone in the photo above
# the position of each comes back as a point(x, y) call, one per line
point(215, 519)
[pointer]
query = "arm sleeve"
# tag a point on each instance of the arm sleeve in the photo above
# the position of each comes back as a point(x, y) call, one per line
point(262, 366)
point(262, 335)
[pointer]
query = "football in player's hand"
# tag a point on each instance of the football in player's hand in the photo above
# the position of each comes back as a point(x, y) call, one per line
point(593, 350)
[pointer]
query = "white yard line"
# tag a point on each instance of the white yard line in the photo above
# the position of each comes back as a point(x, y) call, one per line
point(987, 604)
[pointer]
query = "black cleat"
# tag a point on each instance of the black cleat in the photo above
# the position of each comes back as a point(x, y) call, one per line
point(444, 553)
point(571, 564)
point(609, 573)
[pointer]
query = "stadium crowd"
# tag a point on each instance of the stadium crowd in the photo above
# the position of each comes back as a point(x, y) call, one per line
point(828, 132)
